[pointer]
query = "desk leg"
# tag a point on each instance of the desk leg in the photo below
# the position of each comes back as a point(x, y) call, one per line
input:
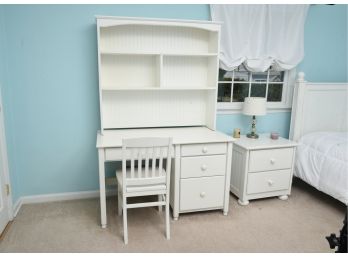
point(101, 159)
point(228, 177)
point(176, 183)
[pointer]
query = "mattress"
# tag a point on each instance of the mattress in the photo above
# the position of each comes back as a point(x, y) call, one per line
point(321, 161)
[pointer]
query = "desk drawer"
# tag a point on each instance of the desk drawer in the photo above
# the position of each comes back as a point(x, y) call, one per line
point(115, 154)
point(273, 159)
point(268, 181)
point(203, 149)
point(201, 193)
point(199, 166)
point(112, 154)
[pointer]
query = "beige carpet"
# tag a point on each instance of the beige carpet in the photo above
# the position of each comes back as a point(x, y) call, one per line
point(268, 225)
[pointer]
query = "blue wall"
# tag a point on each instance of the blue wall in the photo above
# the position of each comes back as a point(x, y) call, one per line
point(51, 95)
point(278, 121)
point(326, 44)
point(48, 78)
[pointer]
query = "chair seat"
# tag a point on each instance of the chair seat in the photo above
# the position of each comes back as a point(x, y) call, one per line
point(142, 184)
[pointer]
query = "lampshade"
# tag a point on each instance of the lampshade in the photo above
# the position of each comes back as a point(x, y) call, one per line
point(254, 106)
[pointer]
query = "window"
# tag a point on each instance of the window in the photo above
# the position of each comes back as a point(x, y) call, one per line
point(235, 85)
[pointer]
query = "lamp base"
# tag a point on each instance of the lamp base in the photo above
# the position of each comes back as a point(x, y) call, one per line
point(253, 135)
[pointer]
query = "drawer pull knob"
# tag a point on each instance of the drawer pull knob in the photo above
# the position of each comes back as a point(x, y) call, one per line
point(202, 194)
point(273, 161)
point(270, 182)
point(205, 149)
point(204, 167)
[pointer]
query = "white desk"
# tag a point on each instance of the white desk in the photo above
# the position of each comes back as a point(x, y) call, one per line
point(200, 177)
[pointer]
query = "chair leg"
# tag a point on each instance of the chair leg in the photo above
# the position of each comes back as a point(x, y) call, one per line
point(119, 194)
point(167, 218)
point(160, 206)
point(125, 228)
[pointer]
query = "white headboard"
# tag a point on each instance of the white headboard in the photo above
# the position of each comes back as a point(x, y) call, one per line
point(318, 107)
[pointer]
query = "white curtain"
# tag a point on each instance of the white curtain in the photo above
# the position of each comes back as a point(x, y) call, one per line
point(260, 35)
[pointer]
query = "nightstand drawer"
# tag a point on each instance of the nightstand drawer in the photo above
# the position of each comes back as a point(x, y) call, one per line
point(273, 159)
point(268, 181)
point(203, 149)
point(199, 166)
point(201, 193)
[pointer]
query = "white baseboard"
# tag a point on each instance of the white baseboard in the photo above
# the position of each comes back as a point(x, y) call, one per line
point(57, 197)
point(16, 207)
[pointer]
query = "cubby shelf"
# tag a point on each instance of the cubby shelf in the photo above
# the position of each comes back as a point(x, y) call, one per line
point(156, 88)
point(159, 54)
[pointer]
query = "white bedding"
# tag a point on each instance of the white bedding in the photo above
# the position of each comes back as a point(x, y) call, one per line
point(322, 161)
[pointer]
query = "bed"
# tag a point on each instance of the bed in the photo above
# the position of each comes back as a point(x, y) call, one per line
point(319, 125)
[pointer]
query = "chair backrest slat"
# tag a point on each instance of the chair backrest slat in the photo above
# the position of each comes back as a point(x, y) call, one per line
point(160, 166)
point(139, 163)
point(132, 162)
point(154, 150)
point(147, 155)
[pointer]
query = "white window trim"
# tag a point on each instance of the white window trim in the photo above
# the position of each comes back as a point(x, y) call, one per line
point(283, 106)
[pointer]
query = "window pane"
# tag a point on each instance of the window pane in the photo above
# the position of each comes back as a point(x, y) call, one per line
point(276, 76)
point(240, 91)
point(259, 76)
point(258, 90)
point(275, 92)
point(224, 92)
point(225, 75)
point(241, 76)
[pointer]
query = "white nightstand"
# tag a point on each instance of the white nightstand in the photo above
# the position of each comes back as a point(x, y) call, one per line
point(262, 168)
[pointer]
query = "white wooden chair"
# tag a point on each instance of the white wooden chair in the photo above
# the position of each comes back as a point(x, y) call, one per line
point(142, 180)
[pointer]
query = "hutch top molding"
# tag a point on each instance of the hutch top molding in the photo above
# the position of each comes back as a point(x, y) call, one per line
point(105, 20)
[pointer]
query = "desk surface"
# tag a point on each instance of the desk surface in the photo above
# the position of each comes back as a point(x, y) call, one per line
point(180, 135)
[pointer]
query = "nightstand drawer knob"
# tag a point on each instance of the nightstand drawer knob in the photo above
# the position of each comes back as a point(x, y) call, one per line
point(270, 182)
point(204, 149)
point(204, 167)
point(202, 194)
point(273, 161)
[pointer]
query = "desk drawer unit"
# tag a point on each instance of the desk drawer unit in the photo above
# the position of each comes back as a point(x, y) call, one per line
point(198, 166)
point(202, 193)
point(203, 149)
point(274, 159)
point(268, 181)
point(203, 178)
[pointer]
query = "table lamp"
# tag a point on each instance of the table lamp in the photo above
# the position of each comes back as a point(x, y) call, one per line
point(254, 106)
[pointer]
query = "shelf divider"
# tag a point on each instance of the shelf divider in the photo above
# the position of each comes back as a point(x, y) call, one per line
point(161, 71)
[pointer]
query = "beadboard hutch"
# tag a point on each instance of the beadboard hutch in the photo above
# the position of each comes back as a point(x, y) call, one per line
point(159, 78)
